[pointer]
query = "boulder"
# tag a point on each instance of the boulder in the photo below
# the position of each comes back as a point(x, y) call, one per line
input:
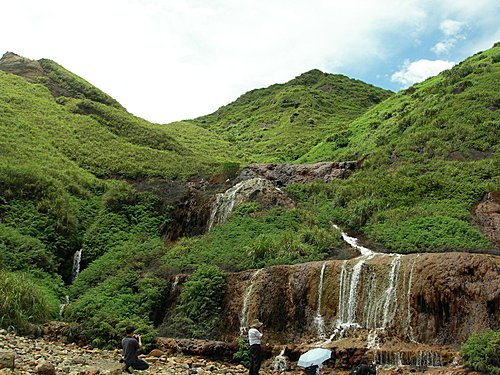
point(45, 368)
point(156, 353)
point(7, 359)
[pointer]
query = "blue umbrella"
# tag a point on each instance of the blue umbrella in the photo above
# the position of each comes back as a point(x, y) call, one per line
point(314, 357)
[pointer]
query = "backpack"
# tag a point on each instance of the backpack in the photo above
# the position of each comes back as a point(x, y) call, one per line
point(358, 370)
point(311, 370)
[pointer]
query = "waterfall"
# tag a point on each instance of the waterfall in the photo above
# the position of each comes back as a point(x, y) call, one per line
point(422, 359)
point(391, 291)
point(429, 359)
point(63, 305)
point(246, 300)
point(409, 329)
point(174, 284)
point(318, 319)
point(348, 293)
point(225, 202)
point(76, 264)
point(280, 362)
point(354, 243)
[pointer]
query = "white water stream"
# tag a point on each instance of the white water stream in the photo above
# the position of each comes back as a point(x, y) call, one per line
point(391, 300)
point(225, 202)
point(62, 306)
point(280, 362)
point(354, 243)
point(246, 300)
point(76, 264)
point(318, 319)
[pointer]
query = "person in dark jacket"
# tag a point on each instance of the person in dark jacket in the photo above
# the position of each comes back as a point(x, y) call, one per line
point(130, 349)
point(364, 368)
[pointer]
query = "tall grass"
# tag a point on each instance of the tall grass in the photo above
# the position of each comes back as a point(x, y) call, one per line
point(22, 302)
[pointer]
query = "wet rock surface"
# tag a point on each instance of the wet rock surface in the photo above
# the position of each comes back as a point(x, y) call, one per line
point(434, 299)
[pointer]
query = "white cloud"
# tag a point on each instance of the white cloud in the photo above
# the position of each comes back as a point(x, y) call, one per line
point(451, 27)
point(454, 32)
point(418, 71)
point(168, 60)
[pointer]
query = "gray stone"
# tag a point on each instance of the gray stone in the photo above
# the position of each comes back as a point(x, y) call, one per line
point(45, 369)
point(7, 359)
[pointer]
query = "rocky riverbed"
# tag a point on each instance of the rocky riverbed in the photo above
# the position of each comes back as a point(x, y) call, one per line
point(21, 355)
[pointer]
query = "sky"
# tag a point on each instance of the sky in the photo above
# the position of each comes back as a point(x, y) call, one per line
point(170, 60)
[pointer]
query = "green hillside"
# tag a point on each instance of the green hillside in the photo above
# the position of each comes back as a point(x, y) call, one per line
point(433, 150)
point(62, 144)
point(72, 120)
point(281, 122)
point(70, 156)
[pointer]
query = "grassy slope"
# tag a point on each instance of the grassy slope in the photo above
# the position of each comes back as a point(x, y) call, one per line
point(92, 131)
point(433, 150)
point(53, 153)
point(281, 122)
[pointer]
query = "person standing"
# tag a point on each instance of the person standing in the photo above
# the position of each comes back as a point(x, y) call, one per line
point(255, 340)
point(130, 349)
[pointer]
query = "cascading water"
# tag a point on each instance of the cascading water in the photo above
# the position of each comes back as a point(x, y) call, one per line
point(390, 303)
point(246, 300)
point(62, 306)
point(318, 319)
point(349, 287)
point(409, 329)
point(280, 362)
point(225, 202)
point(420, 359)
point(76, 264)
point(347, 299)
point(354, 243)
point(174, 284)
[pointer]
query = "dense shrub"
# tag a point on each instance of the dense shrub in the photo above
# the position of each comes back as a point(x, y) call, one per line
point(254, 238)
point(197, 313)
point(481, 352)
point(242, 355)
point(22, 302)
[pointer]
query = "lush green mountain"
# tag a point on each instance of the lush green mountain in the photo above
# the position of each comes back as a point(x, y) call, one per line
point(62, 140)
point(281, 122)
point(76, 122)
point(70, 157)
point(431, 153)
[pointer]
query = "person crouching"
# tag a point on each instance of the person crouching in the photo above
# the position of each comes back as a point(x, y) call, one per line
point(130, 349)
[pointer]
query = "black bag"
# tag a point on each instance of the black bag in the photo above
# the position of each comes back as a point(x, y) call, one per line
point(356, 370)
point(311, 370)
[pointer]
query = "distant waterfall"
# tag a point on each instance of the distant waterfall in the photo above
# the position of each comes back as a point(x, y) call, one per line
point(174, 285)
point(318, 319)
point(62, 306)
point(246, 300)
point(225, 202)
point(76, 264)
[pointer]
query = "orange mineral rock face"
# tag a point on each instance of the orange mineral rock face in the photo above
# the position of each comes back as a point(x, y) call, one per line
point(428, 298)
